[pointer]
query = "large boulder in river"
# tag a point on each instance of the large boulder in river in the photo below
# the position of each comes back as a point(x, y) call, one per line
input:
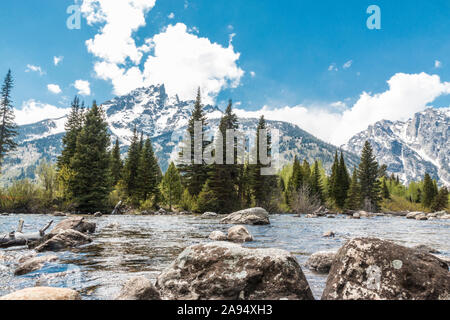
point(373, 269)
point(253, 216)
point(139, 288)
point(321, 261)
point(77, 223)
point(227, 271)
point(33, 264)
point(239, 234)
point(42, 293)
point(218, 236)
point(65, 239)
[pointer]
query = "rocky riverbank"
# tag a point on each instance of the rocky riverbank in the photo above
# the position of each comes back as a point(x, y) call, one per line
point(246, 278)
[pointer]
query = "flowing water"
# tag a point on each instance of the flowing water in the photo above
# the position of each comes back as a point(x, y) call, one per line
point(127, 246)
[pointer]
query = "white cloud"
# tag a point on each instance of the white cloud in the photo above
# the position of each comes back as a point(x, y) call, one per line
point(33, 111)
point(407, 95)
point(33, 68)
point(332, 67)
point(348, 64)
point(57, 60)
point(437, 64)
point(83, 87)
point(171, 15)
point(119, 19)
point(252, 74)
point(54, 88)
point(203, 63)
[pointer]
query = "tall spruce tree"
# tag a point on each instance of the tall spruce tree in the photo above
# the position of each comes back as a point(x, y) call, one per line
point(73, 128)
point(171, 187)
point(223, 178)
point(316, 182)
point(343, 182)
point(385, 191)
point(130, 170)
point(368, 179)
point(441, 200)
point(116, 163)
point(429, 191)
point(92, 184)
point(8, 127)
point(194, 175)
point(353, 201)
point(332, 181)
point(147, 173)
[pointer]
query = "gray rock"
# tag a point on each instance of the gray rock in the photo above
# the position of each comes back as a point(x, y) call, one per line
point(421, 217)
point(218, 236)
point(227, 271)
point(65, 239)
point(356, 215)
point(41, 294)
point(33, 264)
point(321, 261)
point(239, 234)
point(412, 215)
point(139, 288)
point(329, 234)
point(98, 214)
point(373, 269)
point(209, 214)
point(77, 223)
point(253, 216)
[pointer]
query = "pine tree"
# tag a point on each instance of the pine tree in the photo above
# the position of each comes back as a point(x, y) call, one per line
point(259, 182)
point(385, 191)
point(194, 175)
point(147, 173)
point(297, 175)
point(333, 180)
point(368, 179)
point(429, 192)
point(171, 187)
point(353, 201)
point(116, 164)
point(223, 178)
point(8, 128)
point(130, 170)
point(316, 183)
point(343, 181)
point(91, 183)
point(73, 128)
point(441, 200)
point(306, 172)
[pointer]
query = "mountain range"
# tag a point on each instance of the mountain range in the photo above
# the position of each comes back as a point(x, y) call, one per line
point(409, 148)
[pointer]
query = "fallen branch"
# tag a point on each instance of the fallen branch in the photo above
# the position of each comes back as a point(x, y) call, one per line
point(17, 238)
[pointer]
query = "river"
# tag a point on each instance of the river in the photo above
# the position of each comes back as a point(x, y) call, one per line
point(127, 246)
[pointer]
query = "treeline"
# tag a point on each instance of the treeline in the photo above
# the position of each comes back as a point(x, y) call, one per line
point(91, 175)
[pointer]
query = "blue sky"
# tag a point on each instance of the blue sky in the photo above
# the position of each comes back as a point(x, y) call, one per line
point(282, 53)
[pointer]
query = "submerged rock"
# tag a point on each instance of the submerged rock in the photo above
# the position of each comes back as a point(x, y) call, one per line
point(209, 214)
point(239, 234)
point(329, 234)
point(253, 216)
point(78, 223)
point(321, 261)
point(218, 236)
point(373, 269)
point(227, 271)
point(426, 249)
point(43, 293)
point(65, 239)
point(139, 288)
point(33, 264)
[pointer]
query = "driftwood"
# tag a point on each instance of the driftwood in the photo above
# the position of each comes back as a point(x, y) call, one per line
point(116, 209)
point(18, 238)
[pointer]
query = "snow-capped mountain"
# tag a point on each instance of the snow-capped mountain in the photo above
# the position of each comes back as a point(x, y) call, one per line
point(411, 148)
point(158, 116)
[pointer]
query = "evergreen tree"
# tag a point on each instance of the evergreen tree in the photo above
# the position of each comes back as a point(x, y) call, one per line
point(339, 181)
point(368, 179)
point(306, 172)
point(116, 164)
point(441, 200)
point(429, 191)
point(73, 128)
point(91, 183)
point(195, 175)
point(332, 186)
point(385, 191)
point(147, 173)
point(223, 178)
point(171, 187)
point(8, 128)
point(297, 175)
point(130, 171)
point(353, 201)
point(259, 182)
point(316, 184)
